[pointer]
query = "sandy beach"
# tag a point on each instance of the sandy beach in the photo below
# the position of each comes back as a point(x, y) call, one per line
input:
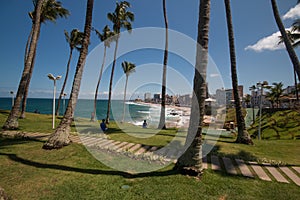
point(175, 116)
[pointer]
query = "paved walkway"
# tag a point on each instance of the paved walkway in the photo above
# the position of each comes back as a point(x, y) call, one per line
point(232, 166)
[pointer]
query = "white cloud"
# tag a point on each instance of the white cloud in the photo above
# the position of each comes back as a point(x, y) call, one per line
point(268, 43)
point(293, 13)
point(271, 42)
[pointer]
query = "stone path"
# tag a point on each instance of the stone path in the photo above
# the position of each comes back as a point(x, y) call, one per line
point(239, 167)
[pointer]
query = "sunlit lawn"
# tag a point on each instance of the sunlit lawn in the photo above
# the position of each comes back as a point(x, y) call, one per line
point(29, 172)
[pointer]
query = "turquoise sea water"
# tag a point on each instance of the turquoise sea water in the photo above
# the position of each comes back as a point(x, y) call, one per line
point(84, 108)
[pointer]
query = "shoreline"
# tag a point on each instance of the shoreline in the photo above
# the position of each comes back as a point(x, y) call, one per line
point(180, 121)
point(154, 105)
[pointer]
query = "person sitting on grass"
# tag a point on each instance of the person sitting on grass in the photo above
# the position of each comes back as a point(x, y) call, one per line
point(145, 124)
point(103, 125)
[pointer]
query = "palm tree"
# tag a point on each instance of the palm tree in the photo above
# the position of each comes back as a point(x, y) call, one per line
point(271, 98)
point(287, 42)
point(276, 92)
point(121, 19)
point(243, 136)
point(162, 121)
point(107, 38)
point(128, 68)
point(191, 161)
point(51, 11)
point(74, 40)
point(60, 137)
point(294, 37)
point(12, 120)
point(252, 89)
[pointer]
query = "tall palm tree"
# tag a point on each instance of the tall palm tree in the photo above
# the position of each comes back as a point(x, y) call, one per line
point(51, 11)
point(252, 89)
point(74, 40)
point(60, 137)
point(287, 42)
point(294, 37)
point(121, 18)
point(191, 161)
point(243, 136)
point(107, 38)
point(162, 121)
point(128, 68)
point(12, 120)
point(277, 91)
point(271, 98)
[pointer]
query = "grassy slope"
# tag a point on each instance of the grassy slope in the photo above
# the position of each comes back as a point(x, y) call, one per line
point(28, 172)
point(281, 124)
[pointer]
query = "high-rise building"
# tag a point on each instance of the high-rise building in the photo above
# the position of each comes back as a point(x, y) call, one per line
point(147, 97)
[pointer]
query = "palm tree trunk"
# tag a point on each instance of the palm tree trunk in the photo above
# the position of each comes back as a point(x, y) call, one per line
point(125, 90)
point(191, 161)
point(24, 100)
point(162, 121)
point(243, 136)
point(296, 86)
point(98, 83)
point(65, 83)
point(111, 80)
point(60, 137)
point(12, 120)
point(287, 42)
point(27, 44)
point(253, 114)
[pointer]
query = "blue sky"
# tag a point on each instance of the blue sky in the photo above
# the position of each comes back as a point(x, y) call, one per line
point(258, 55)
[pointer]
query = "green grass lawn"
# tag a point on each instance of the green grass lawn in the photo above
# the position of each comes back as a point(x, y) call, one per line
point(29, 172)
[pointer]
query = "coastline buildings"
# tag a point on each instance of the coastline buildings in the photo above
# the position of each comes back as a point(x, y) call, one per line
point(225, 96)
point(147, 97)
point(183, 100)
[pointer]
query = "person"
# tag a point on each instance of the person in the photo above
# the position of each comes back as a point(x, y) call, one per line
point(103, 126)
point(145, 124)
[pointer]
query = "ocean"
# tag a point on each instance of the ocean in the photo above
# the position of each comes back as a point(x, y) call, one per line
point(135, 113)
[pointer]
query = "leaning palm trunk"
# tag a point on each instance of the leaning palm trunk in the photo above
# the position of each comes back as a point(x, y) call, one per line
point(98, 83)
point(111, 80)
point(162, 121)
point(25, 96)
point(24, 100)
point(12, 120)
point(287, 42)
point(243, 136)
point(27, 43)
point(65, 82)
point(191, 161)
point(60, 137)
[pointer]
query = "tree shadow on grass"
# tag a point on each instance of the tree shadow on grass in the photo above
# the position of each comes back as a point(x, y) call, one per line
point(16, 158)
point(4, 141)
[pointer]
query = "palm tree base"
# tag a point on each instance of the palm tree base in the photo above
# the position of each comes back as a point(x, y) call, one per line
point(189, 171)
point(245, 139)
point(57, 140)
point(11, 124)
